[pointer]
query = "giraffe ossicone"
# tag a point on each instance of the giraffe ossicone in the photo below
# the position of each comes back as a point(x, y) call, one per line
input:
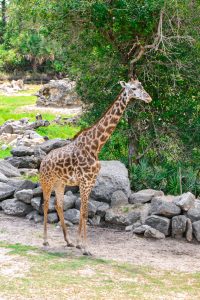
point(77, 164)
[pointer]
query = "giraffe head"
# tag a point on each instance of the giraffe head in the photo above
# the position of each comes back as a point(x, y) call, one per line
point(135, 90)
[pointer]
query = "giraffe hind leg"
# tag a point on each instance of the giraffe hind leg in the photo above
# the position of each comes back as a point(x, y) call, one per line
point(59, 190)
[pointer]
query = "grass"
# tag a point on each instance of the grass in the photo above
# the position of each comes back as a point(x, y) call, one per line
point(60, 276)
point(11, 107)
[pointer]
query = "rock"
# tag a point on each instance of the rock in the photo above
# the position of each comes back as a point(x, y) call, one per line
point(160, 223)
point(153, 233)
point(3, 178)
point(53, 144)
point(72, 215)
point(39, 153)
point(69, 202)
point(141, 229)
point(24, 195)
point(194, 213)
point(144, 196)
point(133, 217)
point(28, 172)
point(96, 220)
point(22, 151)
point(25, 185)
point(25, 162)
point(52, 218)
point(31, 215)
point(36, 203)
point(37, 192)
point(102, 208)
point(91, 207)
point(118, 198)
point(113, 218)
point(189, 230)
point(14, 207)
point(58, 93)
point(186, 201)
point(38, 218)
point(8, 170)
point(52, 205)
point(7, 128)
point(133, 226)
point(178, 226)
point(145, 211)
point(164, 208)
point(6, 191)
point(196, 230)
point(112, 177)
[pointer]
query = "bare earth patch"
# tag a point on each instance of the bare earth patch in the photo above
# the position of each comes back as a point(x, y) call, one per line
point(167, 254)
point(12, 265)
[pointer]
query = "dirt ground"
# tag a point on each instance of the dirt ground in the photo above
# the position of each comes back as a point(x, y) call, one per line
point(107, 243)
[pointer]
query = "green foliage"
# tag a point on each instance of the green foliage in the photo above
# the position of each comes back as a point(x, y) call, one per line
point(170, 178)
point(94, 42)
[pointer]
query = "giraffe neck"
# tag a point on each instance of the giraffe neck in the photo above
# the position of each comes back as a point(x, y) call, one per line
point(95, 137)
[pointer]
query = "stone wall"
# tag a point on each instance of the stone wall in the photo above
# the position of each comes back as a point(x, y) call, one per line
point(148, 212)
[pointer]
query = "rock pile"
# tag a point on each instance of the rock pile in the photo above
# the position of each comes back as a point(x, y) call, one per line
point(27, 158)
point(58, 93)
point(147, 212)
point(13, 86)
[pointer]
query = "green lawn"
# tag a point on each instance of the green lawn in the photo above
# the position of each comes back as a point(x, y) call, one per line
point(11, 107)
point(61, 276)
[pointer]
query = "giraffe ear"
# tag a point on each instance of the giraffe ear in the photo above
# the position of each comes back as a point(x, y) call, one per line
point(122, 83)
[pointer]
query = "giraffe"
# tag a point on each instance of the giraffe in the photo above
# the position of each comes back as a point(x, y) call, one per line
point(77, 164)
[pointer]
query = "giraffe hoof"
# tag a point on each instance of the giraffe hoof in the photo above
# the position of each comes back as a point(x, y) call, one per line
point(45, 244)
point(87, 253)
point(78, 247)
point(70, 245)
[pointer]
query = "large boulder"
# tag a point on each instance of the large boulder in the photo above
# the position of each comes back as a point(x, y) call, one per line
point(69, 201)
point(118, 198)
point(164, 208)
point(6, 191)
point(58, 93)
point(29, 162)
point(160, 223)
point(92, 208)
point(8, 170)
point(153, 233)
point(189, 230)
point(196, 230)
point(53, 144)
point(178, 226)
point(186, 201)
point(194, 212)
point(3, 178)
point(24, 196)
point(116, 219)
point(17, 208)
point(144, 196)
point(72, 215)
point(22, 151)
point(112, 177)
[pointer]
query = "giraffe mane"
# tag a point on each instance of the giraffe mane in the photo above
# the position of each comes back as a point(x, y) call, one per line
point(109, 107)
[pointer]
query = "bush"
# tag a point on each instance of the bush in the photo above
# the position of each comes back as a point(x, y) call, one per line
point(9, 59)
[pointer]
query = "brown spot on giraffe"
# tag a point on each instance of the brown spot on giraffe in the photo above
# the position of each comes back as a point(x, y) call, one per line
point(77, 163)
